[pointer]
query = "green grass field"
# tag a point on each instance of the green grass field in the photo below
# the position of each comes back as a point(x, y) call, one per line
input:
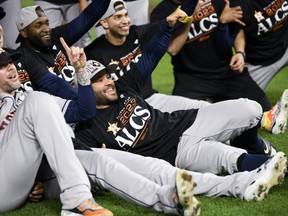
point(275, 204)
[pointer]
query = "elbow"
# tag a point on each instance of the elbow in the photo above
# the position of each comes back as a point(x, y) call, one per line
point(172, 52)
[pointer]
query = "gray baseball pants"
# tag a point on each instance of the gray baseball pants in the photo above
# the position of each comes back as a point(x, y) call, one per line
point(170, 103)
point(263, 75)
point(147, 181)
point(201, 147)
point(39, 127)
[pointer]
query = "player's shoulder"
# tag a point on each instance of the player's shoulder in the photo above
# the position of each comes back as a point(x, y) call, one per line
point(96, 44)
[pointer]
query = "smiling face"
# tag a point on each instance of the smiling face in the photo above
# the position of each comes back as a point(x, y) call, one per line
point(117, 25)
point(38, 34)
point(104, 91)
point(9, 81)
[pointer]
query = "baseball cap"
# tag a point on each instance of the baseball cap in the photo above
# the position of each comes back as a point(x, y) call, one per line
point(112, 9)
point(26, 16)
point(4, 55)
point(95, 69)
point(2, 13)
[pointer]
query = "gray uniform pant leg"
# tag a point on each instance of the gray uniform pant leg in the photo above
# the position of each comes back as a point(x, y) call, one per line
point(163, 173)
point(171, 103)
point(263, 75)
point(201, 147)
point(124, 174)
point(11, 7)
point(124, 182)
point(39, 127)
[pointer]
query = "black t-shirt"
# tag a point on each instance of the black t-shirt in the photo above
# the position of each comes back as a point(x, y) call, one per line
point(54, 59)
point(266, 30)
point(129, 52)
point(200, 56)
point(131, 124)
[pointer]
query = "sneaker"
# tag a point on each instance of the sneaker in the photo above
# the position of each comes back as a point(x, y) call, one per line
point(88, 207)
point(269, 174)
point(187, 205)
point(275, 120)
point(267, 149)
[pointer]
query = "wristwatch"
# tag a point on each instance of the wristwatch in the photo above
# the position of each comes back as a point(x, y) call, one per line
point(242, 53)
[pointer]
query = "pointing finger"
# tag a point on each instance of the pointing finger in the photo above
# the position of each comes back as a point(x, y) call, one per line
point(66, 47)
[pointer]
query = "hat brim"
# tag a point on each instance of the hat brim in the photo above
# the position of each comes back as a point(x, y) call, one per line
point(14, 56)
point(18, 39)
point(99, 74)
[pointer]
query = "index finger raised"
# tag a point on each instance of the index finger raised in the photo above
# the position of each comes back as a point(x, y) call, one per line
point(66, 47)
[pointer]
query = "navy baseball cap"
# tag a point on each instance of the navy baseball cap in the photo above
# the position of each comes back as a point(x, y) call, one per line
point(5, 55)
point(2, 13)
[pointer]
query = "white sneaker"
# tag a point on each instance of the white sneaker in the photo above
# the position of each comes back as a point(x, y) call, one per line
point(275, 120)
point(188, 205)
point(269, 174)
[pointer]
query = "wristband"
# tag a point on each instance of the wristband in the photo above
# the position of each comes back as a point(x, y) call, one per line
point(186, 19)
point(242, 53)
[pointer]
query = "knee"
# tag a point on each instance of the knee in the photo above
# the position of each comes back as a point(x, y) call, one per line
point(251, 108)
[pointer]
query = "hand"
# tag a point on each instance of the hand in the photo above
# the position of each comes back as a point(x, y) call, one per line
point(37, 192)
point(233, 14)
point(178, 14)
point(76, 55)
point(237, 63)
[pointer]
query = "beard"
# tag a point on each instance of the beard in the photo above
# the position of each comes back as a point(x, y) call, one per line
point(39, 43)
point(10, 88)
point(102, 99)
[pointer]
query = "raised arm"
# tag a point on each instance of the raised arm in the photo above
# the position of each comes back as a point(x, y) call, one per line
point(224, 37)
point(84, 106)
point(157, 46)
point(81, 24)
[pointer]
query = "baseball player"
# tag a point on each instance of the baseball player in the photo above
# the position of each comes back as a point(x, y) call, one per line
point(182, 203)
point(201, 71)
point(151, 182)
point(39, 40)
point(59, 12)
point(190, 139)
point(138, 12)
point(124, 43)
point(22, 117)
point(266, 38)
point(266, 47)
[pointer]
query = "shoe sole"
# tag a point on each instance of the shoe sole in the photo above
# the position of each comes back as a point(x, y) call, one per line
point(68, 213)
point(280, 125)
point(185, 186)
point(274, 175)
point(100, 212)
